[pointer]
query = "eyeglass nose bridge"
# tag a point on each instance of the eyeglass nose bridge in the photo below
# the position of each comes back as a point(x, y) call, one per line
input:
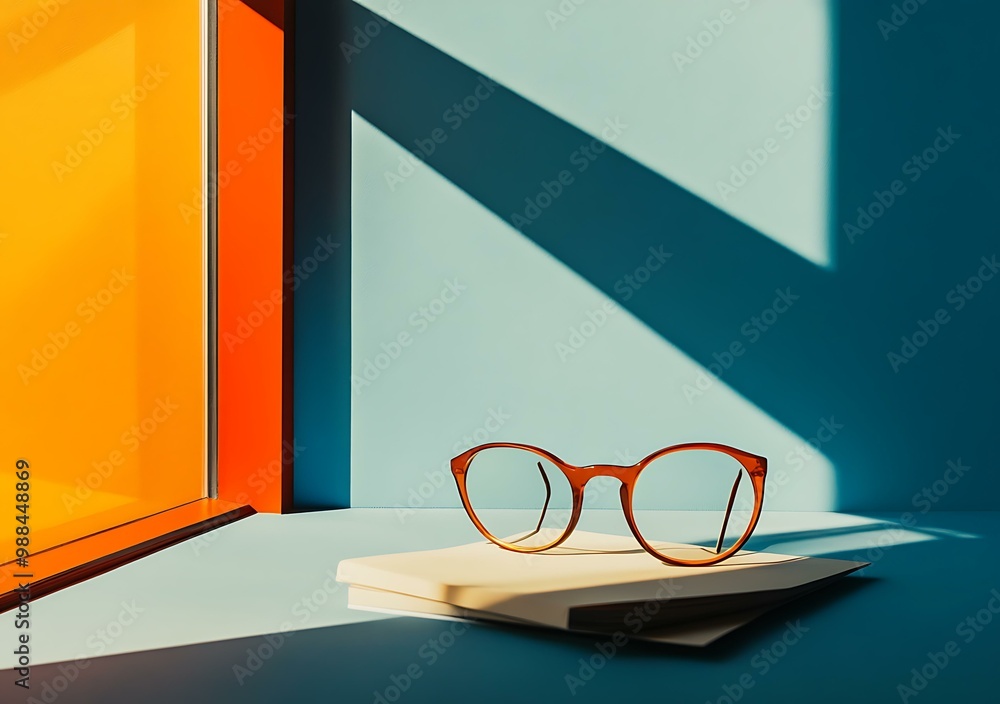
point(623, 473)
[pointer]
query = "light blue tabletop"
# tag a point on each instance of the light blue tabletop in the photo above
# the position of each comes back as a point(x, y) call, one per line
point(190, 623)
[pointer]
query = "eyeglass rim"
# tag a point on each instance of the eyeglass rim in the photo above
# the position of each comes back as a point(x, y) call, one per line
point(578, 476)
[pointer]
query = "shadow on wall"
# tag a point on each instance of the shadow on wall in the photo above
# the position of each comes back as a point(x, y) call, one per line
point(322, 298)
point(898, 272)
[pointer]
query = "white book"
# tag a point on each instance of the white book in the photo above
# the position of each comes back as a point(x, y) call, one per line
point(593, 583)
point(696, 634)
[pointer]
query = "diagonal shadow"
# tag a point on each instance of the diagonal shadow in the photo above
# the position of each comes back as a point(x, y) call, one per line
point(825, 357)
point(875, 627)
point(271, 10)
point(358, 662)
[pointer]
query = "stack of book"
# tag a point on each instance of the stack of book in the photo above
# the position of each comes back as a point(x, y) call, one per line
point(593, 583)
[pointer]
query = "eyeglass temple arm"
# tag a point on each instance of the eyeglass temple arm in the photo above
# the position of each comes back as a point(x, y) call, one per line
point(729, 510)
point(545, 506)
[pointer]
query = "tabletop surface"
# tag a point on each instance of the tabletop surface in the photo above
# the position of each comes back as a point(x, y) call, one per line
point(196, 622)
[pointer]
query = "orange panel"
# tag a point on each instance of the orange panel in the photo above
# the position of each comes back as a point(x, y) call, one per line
point(87, 557)
point(254, 462)
point(103, 353)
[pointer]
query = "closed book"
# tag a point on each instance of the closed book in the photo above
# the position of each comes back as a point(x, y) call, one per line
point(594, 582)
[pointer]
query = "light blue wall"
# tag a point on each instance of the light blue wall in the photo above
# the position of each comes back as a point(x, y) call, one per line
point(489, 350)
point(634, 386)
point(689, 90)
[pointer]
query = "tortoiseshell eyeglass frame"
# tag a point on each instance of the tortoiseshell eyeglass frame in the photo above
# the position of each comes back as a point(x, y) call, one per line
point(755, 466)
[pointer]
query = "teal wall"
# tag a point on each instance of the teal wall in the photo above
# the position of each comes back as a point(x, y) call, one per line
point(807, 376)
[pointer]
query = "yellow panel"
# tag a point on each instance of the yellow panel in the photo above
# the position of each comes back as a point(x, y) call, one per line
point(102, 313)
